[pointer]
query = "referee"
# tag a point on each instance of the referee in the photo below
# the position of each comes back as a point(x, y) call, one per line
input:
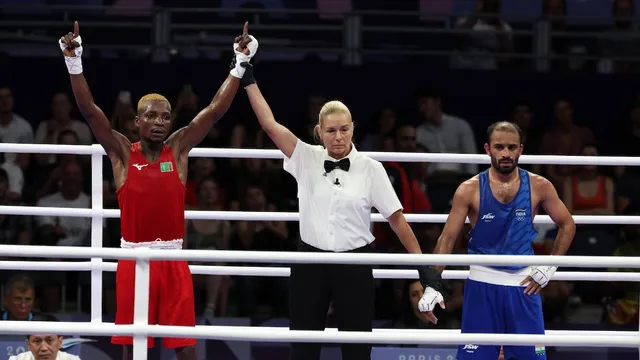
point(337, 187)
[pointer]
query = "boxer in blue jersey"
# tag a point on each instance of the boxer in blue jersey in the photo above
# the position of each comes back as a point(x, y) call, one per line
point(501, 203)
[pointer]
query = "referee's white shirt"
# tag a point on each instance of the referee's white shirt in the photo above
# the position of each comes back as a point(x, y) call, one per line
point(337, 217)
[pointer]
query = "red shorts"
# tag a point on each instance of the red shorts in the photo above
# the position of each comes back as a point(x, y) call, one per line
point(170, 299)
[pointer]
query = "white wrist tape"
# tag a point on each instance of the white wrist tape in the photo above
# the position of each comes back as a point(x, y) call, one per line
point(543, 274)
point(74, 63)
point(238, 71)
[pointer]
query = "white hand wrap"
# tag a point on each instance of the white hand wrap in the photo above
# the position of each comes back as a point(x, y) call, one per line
point(238, 71)
point(543, 274)
point(430, 298)
point(74, 63)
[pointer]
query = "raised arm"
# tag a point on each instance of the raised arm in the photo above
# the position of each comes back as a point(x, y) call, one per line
point(112, 141)
point(191, 135)
point(280, 135)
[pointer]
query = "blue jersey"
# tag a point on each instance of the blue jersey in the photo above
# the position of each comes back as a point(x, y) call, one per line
point(504, 229)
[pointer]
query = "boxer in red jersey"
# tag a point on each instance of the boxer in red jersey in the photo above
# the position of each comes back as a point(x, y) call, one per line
point(150, 179)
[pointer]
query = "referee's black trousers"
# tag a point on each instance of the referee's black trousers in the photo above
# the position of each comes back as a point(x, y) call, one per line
point(350, 288)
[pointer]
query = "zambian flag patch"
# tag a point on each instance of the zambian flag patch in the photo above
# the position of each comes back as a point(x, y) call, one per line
point(166, 166)
point(540, 350)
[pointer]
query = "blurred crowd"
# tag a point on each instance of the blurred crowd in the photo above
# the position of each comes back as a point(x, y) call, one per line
point(262, 185)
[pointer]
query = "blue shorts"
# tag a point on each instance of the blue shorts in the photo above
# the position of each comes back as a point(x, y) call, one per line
point(498, 309)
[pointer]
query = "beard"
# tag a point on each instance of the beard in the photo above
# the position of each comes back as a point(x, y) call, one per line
point(504, 167)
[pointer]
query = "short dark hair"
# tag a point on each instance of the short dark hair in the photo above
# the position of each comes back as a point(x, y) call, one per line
point(66, 132)
point(504, 126)
point(201, 182)
point(22, 282)
point(428, 94)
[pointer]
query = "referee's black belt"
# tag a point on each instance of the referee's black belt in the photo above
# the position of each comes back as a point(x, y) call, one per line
point(304, 247)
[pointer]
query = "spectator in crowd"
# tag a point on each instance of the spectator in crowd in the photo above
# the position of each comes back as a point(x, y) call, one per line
point(186, 107)
point(621, 308)
point(444, 133)
point(63, 231)
point(522, 115)
point(202, 168)
point(587, 192)
point(627, 191)
point(67, 231)
point(47, 178)
point(315, 100)
point(14, 229)
point(261, 236)
point(566, 138)
point(18, 299)
point(210, 235)
point(489, 36)
point(620, 41)
point(385, 124)
point(13, 128)
point(44, 346)
point(15, 178)
point(48, 131)
point(122, 117)
point(404, 182)
point(555, 12)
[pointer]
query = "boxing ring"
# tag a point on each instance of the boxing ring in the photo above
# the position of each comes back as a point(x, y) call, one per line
point(140, 330)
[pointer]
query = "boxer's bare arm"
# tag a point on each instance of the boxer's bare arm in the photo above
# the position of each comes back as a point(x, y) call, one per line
point(111, 140)
point(558, 212)
point(186, 138)
point(115, 144)
point(462, 200)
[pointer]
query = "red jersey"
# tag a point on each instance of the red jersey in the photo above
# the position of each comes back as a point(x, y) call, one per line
point(152, 198)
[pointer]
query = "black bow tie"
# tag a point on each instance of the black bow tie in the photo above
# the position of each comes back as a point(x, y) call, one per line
point(343, 164)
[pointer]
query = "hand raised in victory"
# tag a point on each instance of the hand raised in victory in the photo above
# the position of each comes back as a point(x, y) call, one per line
point(71, 46)
point(245, 47)
point(241, 41)
point(71, 42)
point(245, 44)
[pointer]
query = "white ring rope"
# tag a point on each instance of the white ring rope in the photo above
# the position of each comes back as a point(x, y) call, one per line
point(380, 156)
point(282, 334)
point(293, 257)
point(285, 271)
point(289, 216)
point(262, 334)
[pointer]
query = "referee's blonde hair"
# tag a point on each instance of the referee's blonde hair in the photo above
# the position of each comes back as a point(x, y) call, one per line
point(330, 108)
point(333, 107)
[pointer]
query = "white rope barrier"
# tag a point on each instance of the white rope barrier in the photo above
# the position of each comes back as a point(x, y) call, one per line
point(285, 271)
point(381, 156)
point(50, 149)
point(288, 216)
point(293, 257)
point(141, 330)
point(274, 334)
